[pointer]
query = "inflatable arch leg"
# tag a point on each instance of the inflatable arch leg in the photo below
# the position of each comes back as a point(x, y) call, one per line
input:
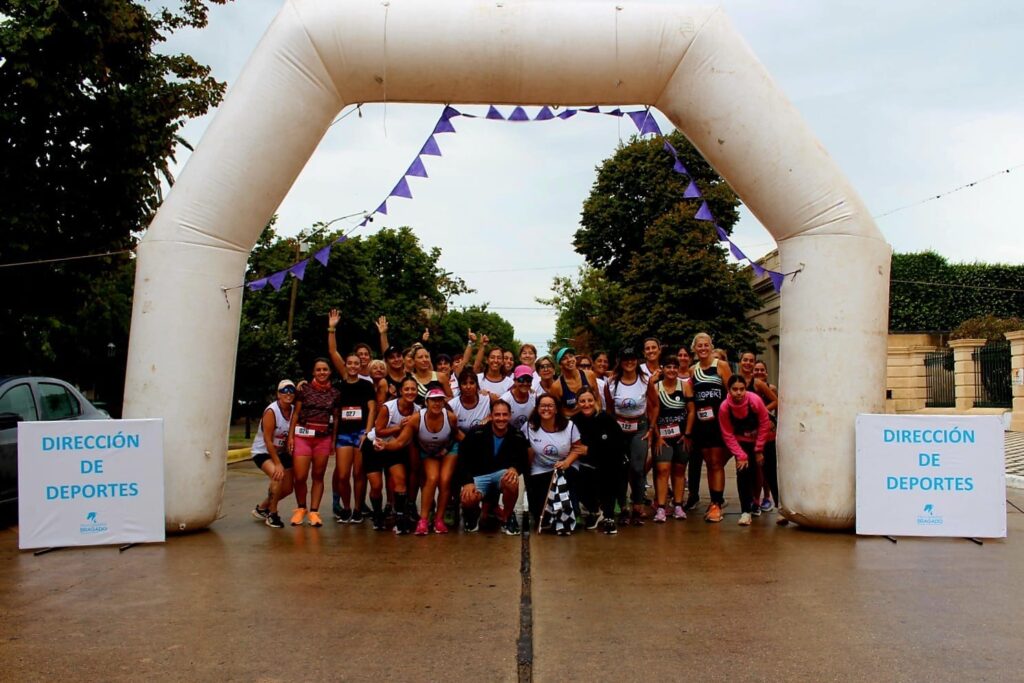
point(320, 55)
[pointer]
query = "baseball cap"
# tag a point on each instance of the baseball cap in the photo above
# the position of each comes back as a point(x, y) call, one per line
point(285, 383)
point(523, 371)
point(627, 352)
point(560, 353)
point(436, 392)
point(392, 351)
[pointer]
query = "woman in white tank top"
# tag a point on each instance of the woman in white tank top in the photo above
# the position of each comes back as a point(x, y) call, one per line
point(270, 453)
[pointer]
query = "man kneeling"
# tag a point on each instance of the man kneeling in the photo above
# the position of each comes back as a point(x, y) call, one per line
point(491, 457)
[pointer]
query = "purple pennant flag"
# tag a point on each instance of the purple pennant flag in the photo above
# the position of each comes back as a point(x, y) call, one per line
point(739, 255)
point(430, 148)
point(592, 110)
point(417, 169)
point(383, 208)
point(614, 112)
point(277, 280)
point(323, 255)
point(444, 126)
point(544, 115)
point(777, 279)
point(401, 189)
point(691, 192)
point(679, 168)
point(518, 114)
point(644, 122)
point(299, 269)
point(567, 114)
point(450, 112)
point(344, 237)
point(758, 269)
point(722, 234)
point(257, 285)
point(494, 114)
point(670, 149)
point(704, 213)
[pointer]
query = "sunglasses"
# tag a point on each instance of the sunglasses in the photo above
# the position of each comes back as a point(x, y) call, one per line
point(287, 390)
point(524, 379)
point(545, 367)
point(585, 366)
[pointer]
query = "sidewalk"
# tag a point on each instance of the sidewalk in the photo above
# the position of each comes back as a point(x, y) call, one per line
point(1015, 454)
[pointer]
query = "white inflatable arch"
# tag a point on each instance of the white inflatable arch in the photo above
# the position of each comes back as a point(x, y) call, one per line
point(320, 55)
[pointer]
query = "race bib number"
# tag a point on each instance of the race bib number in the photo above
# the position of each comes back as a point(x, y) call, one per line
point(351, 413)
point(671, 430)
point(629, 427)
point(304, 432)
point(706, 413)
point(280, 441)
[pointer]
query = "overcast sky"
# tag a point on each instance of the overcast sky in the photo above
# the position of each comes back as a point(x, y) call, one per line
point(911, 98)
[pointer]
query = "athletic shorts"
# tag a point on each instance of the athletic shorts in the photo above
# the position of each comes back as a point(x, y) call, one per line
point(673, 451)
point(260, 458)
point(311, 446)
point(488, 484)
point(707, 435)
point(382, 461)
point(436, 456)
point(349, 439)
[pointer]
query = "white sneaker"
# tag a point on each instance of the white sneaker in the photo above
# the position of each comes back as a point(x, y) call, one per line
point(745, 519)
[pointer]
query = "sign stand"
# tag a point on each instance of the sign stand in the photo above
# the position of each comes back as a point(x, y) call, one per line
point(125, 547)
point(46, 550)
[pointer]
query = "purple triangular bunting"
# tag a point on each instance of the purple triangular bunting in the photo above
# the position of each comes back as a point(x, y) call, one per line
point(257, 285)
point(704, 213)
point(757, 268)
point(644, 122)
point(430, 148)
point(518, 114)
point(567, 114)
point(670, 149)
point(614, 112)
point(299, 269)
point(544, 115)
point(450, 112)
point(383, 208)
point(277, 279)
point(777, 279)
point(679, 168)
point(345, 237)
point(592, 110)
point(722, 234)
point(401, 189)
point(494, 114)
point(417, 169)
point(444, 126)
point(691, 191)
point(739, 255)
point(323, 255)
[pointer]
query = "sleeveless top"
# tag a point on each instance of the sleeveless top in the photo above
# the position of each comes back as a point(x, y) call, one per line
point(630, 399)
point(471, 417)
point(708, 392)
point(259, 445)
point(421, 389)
point(672, 413)
point(430, 442)
point(394, 418)
point(395, 386)
point(569, 396)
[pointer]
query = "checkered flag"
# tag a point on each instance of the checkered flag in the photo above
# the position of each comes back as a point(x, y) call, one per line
point(558, 506)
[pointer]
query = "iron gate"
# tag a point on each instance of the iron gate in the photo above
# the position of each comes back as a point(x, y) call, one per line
point(938, 373)
point(992, 376)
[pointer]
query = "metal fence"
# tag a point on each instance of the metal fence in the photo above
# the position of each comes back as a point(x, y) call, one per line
point(992, 376)
point(938, 374)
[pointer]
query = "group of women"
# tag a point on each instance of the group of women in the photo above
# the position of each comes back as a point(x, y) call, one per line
point(395, 425)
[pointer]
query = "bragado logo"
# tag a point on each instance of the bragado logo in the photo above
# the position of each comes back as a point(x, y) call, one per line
point(928, 516)
point(550, 450)
point(92, 525)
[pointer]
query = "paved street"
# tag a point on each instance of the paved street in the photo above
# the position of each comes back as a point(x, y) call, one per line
point(684, 599)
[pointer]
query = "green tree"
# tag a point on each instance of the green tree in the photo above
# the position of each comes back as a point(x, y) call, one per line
point(89, 121)
point(448, 331)
point(654, 269)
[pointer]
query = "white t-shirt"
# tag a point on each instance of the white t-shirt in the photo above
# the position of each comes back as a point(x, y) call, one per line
point(496, 388)
point(550, 447)
point(520, 411)
point(471, 417)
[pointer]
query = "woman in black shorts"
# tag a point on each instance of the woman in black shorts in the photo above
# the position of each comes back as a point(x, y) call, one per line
point(270, 452)
point(708, 377)
point(667, 405)
point(391, 420)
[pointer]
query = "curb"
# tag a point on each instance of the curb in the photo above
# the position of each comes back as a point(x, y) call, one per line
point(1014, 481)
point(240, 454)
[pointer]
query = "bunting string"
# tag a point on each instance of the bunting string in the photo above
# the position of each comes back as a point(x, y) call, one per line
point(641, 118)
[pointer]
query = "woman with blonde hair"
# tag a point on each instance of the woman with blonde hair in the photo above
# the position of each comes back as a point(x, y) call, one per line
point(703, 436)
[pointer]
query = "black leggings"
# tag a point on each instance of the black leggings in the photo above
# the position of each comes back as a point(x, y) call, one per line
point(746, 479)
point(771, 470)
point(694, 468)
point(600, 486)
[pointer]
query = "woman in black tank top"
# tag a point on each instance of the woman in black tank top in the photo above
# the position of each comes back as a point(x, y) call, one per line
point(708, 377)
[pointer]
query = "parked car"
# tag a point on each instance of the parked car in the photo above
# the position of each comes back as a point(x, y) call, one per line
point(32, 399)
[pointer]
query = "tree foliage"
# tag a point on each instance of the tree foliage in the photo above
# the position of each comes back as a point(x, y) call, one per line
point(652, 269)
point(963, 291)
point(89, 121)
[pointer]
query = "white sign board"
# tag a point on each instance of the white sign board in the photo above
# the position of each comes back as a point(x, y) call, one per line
point(931, 475)
point(90, 482)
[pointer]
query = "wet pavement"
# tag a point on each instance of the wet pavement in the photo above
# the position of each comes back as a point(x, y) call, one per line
point(673, 601)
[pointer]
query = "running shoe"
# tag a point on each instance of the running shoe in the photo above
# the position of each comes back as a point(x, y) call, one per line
point(679, 512)
point(379, 523)
point(260, 513)
point(471, 521)
point(714, 514)
point(636, 520)
point(357, 517)
point(421, 527)
point(594, 520)
point(273, 521)
point(344, 516)
point(609, 527)
point(511, 526)
point(298, 516)
point(691, 503)
point(755, 509)
point(336, 507)
point(439, 526)
point(314, 519)
point(401, 525)
point(767, 505)
point(745, 519)
point(660, 517)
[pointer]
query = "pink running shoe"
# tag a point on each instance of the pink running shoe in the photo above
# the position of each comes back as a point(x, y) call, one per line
point(660, 516)
point(440, 527)
point(421, 527)
point(679, 513)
